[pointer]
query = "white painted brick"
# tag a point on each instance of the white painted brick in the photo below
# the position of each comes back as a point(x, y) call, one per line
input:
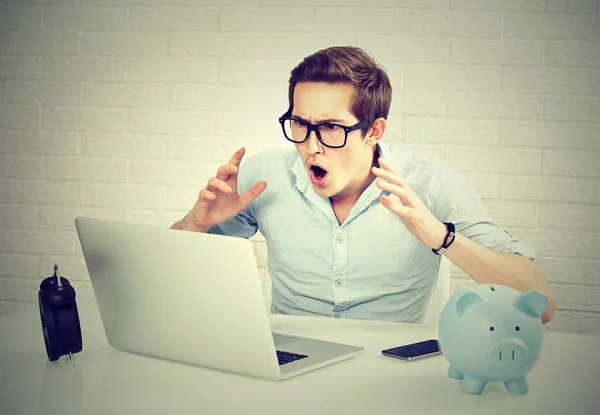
point(19, 16)
point(145, 146)
point(307, 2)
point(9, 307)
point(215, 44)
point(41, 1)
point(39, 192)
point(157, 219)
point(551, 80)
point(352, 20)
point(126, 95)
point(429, 151)
point(165, 172)
point(173, 70)
point(555, 189)
point(405, 49)
point(394, 72)
point(17, 216)
point(21, 167)
point(216, 2)
point(451, 77)
point(260, 254)
point(40, 92)
point(229, 97)
point(181, 198)
point(272, 19)
point(551, 134)
point(464, 24)
point(60, 218)
point(205, 148)
point(172, 122)
point(125, 2)
point(494, 105)
point(85, 69)
point(448, 131)
point(123, 44)
point(496, 52)
point(574, 322)
point(18, 265)
point(549, 26)
point(5, 42)
point(36, 241)
point(420, 103)
point(570, 271)
point(45, 43)
point(174, 18)
point(298, 45)
point(566, 162)
point(405, 4)
point(71, 267)
point(256, 124)
point(13, 116)
point(256, 71)
point(570, 218)
point(575, 298)
point(573, 108)
point(519, 215)
point(20, 67)
point(485, 184)
point(84, 119)
point(495, 159)
point(86, 169)
point(122, 196)
point(581, 6)
point(37, 142)
point(85, 18)
point(549, 243)
point(505, 5)
point(573, 54)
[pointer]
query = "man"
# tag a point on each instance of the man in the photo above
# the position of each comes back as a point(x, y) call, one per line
point(352, 229)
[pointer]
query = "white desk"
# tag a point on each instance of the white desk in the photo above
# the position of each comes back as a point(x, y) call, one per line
point(107, 381)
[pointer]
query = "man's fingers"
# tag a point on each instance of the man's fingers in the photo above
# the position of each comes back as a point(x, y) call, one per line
point(387, 172)
point(206, 194)
point(394, 206)
point(237, 157)
point(252, 193)
point(225, 171)
point(402, 193)
point(215, 184)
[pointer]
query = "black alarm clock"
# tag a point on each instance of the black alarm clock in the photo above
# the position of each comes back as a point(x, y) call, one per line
point(59, 316)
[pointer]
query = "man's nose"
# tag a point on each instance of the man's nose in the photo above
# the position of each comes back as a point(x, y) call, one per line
point(313, 143)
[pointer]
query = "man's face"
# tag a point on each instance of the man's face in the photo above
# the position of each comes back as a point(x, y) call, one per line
point(341, 171)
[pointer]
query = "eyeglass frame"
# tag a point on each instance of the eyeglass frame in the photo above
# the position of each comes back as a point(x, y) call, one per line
point(315, 127)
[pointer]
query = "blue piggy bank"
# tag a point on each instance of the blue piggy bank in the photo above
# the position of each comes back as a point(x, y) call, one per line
point(492, 333)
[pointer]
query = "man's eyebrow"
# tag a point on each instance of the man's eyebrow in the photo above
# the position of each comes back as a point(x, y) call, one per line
point(323, 121)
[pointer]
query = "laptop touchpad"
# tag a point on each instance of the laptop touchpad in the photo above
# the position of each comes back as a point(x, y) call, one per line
point(280, 339)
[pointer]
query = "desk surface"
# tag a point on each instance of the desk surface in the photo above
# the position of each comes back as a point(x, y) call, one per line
point(107, 381)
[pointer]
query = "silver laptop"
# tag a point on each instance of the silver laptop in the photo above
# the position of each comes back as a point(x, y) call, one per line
point(193, 298)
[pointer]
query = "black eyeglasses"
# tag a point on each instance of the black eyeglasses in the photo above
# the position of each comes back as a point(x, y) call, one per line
point(331, 135)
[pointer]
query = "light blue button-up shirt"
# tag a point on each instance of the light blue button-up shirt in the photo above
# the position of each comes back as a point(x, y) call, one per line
point(369, 267)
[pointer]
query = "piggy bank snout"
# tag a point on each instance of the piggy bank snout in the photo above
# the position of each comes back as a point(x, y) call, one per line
point(510, 353)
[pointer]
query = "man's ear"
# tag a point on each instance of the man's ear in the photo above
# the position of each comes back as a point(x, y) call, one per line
point(376, 132)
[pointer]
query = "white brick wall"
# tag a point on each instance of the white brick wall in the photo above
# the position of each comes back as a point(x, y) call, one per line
point(122, 109)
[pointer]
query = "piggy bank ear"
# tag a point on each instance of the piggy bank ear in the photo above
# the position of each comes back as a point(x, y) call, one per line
point(532, 302)
point(466, 300)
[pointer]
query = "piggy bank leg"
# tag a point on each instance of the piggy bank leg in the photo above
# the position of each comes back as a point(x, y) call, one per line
point(517, 386)
point(472, 386)
point(454, 373)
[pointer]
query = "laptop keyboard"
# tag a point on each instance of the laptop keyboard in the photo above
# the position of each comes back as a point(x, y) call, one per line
point(287, 357)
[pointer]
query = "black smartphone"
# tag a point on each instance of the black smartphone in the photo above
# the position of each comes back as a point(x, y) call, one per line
point(415, 351)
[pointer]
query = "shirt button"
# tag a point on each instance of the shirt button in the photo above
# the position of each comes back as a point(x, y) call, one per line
point(338, 240)
point(338, 282)
point(337, 315)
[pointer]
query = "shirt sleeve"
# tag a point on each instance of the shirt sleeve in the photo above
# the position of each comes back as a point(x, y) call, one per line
point(459, 203)
point(244, 224)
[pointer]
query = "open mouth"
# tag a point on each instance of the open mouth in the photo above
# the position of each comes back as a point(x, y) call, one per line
point(318, 175)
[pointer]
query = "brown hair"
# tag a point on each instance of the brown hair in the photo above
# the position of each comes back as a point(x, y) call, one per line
point(351, 65)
